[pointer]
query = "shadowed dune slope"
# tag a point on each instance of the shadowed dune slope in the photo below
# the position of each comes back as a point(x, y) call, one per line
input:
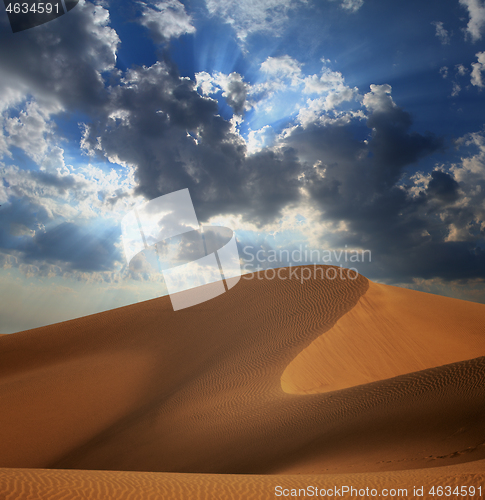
point(144, 388)
point(391, 331)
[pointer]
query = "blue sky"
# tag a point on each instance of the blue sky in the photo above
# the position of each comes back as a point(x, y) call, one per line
point(325, 125)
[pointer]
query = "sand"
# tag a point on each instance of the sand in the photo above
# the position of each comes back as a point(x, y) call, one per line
point(391, 331)
point(28, 484)
point(338, 379)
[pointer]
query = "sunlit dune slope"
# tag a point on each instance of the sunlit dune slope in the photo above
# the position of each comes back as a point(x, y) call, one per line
point(391, 331)
point(27, 484)
point(144, 388)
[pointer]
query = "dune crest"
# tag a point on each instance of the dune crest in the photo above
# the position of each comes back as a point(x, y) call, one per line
point(390, 332)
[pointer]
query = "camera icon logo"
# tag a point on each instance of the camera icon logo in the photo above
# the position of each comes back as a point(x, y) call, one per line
point(197, 262)
point(26, 14)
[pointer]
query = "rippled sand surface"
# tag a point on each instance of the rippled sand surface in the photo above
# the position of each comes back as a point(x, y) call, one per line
point(276, 382)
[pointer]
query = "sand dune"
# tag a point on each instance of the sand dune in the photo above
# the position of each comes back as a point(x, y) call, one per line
point(391, 331)
point(273, 377)
point(27, 484)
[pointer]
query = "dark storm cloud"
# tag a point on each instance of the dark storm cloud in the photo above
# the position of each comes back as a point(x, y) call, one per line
point(352, 176)
point(393, 146)
point(62, 60)
point(61, 64)
point(366, 185)
point(443, 187)
point(19, 219)
point(176, 139)
point(77, 246)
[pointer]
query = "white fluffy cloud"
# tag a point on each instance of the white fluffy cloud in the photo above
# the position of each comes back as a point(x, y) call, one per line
point(441, 32)
point(456, 89)
point(166, 19)
point(30, 131)
point(281, 75)
point(317, 110)
point(282, 69)
point(328, 80)
point(284, 73)
point(478, 69)
point(352, 5)
point(262, 16)
point(234, 89)
point(476, 24)
point(379, 99)
point(475, 163)
point(250, 16)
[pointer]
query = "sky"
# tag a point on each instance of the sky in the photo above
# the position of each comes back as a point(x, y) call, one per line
point(338, 126)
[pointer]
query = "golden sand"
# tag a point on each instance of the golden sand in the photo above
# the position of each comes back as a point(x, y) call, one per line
point(290, 381)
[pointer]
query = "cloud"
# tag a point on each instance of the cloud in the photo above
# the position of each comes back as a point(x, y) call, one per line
point(352, 5)
point(52, 68)
point(328, 80)
point(476, 24)
point(332, 85)
point(460, 71)
point(35, 202)
point(379, 99)
point(182, 142)
point(234, 88)
point(30, 233)
point(277, 75)
point(285, 82)
point(78, 246)
point(318, 110)
point(442, 186)
point(79, 50)
point(456, 89)
point(282, 69)
point(248, 17)
point(259, 139)
point(355, 165)
point(473, 166)
point(426, 225)
point(478, 68)
point(166, 19)
point(282, 80)
point(441, 33)
point(30, 130)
